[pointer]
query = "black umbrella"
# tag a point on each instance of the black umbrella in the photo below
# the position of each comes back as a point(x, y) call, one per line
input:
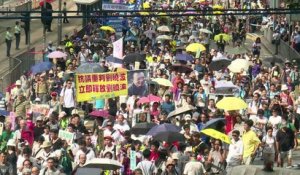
point(219, 64)
point(213, 123)
point(113, 59)
point(166, 127)
point(169, 137)
point(181, 68)
point(142, 128)
point(133, 57)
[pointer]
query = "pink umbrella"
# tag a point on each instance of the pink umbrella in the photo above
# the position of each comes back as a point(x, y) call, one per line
point(165, 6)
point(56, 54)
point(148, 99)
point(100, 113)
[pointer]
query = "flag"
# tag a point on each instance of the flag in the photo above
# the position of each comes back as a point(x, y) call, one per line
point(118, 48)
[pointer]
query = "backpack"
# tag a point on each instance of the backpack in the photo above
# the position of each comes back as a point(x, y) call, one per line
point(66, 163)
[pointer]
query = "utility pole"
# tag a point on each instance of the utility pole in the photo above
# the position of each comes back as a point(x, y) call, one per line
point(44, 33)
point(59, 23)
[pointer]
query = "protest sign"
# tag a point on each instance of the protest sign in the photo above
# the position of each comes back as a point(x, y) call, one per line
point(67, 136)
point(132, 160)
point(137, 83)
point(100, 85)
point(118, 48)
point(40, 108)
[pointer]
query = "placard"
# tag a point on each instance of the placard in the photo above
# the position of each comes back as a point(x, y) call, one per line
point(67, 136)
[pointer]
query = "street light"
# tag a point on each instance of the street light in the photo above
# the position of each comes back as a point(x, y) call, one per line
point(59, 24)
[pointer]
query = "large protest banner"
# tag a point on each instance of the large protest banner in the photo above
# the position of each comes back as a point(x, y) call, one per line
point(100, 85)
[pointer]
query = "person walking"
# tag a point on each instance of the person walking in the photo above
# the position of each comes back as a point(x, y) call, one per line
point(65, 13)
point(8, 40)
point(17, 34)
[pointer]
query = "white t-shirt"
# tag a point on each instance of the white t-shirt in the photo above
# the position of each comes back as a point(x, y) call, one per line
point(90, 154)
point(147, 167)
point(68, 95)
point(269, 144)
point(194, 168)
point(274, 121)
point(235, 150)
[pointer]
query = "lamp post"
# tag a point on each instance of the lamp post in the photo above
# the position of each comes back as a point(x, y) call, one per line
point(44, 33)
point(59, 23)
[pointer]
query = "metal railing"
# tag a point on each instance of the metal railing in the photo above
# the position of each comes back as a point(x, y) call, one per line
point(284, 48)
point(18, 66)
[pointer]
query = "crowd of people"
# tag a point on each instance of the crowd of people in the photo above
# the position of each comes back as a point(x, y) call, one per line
point(266, 129)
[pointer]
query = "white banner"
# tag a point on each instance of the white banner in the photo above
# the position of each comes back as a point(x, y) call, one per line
point(118, 48)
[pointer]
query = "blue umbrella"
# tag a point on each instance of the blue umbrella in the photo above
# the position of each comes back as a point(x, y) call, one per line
point(90, 68)
point(114, 60)
point(130, 38)
point(213, 123)
point(183, 57)
point(4, 113)
point(166, 127)
point(41, 67)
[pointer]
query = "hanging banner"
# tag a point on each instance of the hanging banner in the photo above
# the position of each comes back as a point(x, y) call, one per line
point(118, 48)
point(100, 85)
point(117, 7)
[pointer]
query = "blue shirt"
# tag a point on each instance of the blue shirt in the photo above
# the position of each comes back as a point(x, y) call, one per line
point(168, 107)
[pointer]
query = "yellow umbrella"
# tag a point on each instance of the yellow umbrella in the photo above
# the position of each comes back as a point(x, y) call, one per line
point(225, 36)
point(194, 47)
point(217, 135)
point(218, 12)
point(143, 13)
point(231, 104)
point(108, 28)
point(163, 82)
point(239, 65)
point(146, 5)
point(218, 7)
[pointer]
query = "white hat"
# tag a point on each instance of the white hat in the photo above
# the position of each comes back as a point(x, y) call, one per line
point(175, 156)
point(74, 111)
point(18, 82)
point(11, 142)
point(284, 87)
point(37, 99)
point(158, 42)
point(46, 144)
point(39, 118)
point(188, 117)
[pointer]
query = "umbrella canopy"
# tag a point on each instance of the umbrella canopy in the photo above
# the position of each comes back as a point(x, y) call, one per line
point(163, 82)
point(41, 67)
point(4, 113)
point(103, 163)
point(195, 47)
point(57, 54)
point(42, 2)
point(163, 37)
point(90, 68)
point(181, 110)
point(92, 171)
point(142, 128)
point(113, 59)
point(226, 86)
point(149, 33)
point(166, 127)
point(217, 135)
point(219, 63)
point(183, 57)
point(108, 28)
point(225, 37)
point(231, 104)
point(218, 7)
point(164, 29)
point(150, 98)
point(131, 58)
point(169, 137)
point(146, 5)
point(144, 13)
point(205, 31)
point(239, 65)
point(213, 123)
point(237, 50)
point(100, 113)
point(181, 68)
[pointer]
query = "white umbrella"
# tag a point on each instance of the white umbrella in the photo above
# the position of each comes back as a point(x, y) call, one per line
point(205, 31)
point(57, 54)
point(163, 37)
point(164, 29)
point(239, 65)
point(103, 163)
point(225, 86)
